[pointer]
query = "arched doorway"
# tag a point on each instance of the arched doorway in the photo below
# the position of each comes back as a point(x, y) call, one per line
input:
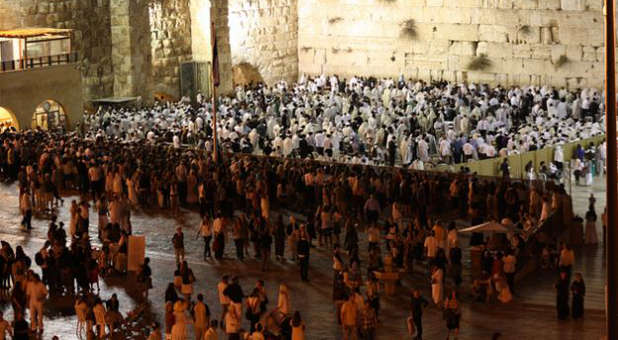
point(7, 120)
point(49, 115)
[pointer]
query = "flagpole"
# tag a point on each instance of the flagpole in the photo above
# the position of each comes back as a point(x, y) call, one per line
point(214, 121)
point(612, 189)
point(214, 83)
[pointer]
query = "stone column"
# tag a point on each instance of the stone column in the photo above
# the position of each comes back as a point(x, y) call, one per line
point(221, 13)
point(131, 55)
point(201, 37)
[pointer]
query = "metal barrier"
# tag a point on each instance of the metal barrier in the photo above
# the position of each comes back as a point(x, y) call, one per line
point(24, 64)
point(491, 167)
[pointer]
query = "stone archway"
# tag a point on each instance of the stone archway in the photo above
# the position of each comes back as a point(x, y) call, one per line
point(50, 115)
point(7, 119)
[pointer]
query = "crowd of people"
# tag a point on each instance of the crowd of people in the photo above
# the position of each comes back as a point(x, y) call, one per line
point(292, 204)
point(368, 120)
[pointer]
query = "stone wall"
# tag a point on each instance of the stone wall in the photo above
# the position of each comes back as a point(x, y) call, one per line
point(264, 33)
point(91, 38)
point(170, 30)
point(151, 38)
point(220, 13)
point(558, 42)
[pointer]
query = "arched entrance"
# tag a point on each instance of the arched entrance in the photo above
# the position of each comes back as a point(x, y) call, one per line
point(7, 119)
point(49, 115)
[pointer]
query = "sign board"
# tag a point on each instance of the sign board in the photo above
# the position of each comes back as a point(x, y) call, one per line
point(137, 252)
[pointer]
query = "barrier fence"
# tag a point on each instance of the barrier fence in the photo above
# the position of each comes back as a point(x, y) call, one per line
point(491, 167)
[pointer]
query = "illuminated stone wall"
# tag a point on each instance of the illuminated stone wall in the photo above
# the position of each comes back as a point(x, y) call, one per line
point(151, 38)
point(558, 42)
point(264, 34)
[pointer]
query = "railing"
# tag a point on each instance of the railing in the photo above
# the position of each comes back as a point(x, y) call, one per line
point(22, 64)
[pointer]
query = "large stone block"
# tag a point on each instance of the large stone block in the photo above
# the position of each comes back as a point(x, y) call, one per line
point(464, 3)
point(527, 4)
point(495, 50)
point(493, 33)
point(574, 52)
point(589, 53)
point(457, 32)
point(465, 48)
point(557, 51)
point(536, 67)
point(573, 5)
point(591, 35)
point(549, 4)
point(522, 51)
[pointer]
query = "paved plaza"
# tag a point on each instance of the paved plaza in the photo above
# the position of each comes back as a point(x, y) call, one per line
point(531, 316)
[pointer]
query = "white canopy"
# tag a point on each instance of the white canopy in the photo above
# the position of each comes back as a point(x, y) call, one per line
point(491, 226)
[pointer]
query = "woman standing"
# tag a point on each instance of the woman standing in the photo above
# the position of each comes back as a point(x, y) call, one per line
point(283, 302)
point(192, 194)
point(578, 288)
point(253, 309)
point(591, 228)
point(452, 315)
point(562, 296)
point(437, 278)
point(169, 320)
point(280, 240)
point(74, 210)
point(186, 288)
point(298, 327)
point(103, 211)
point(206, 232)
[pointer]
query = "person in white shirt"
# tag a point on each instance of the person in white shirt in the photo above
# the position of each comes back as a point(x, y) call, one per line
point(431, 247)
point(223, 299)
point(37, 294)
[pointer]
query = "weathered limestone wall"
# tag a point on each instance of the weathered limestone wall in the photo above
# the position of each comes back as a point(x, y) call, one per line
point(264, 33)
point(200, 30)
point(170, 30)
point(558, 42)
point(91, 39)
point(150, 40)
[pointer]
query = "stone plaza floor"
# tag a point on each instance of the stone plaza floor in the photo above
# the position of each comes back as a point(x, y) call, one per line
point(531, 315)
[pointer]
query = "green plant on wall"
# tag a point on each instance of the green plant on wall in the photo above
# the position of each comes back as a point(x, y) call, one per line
point(562, 60)
point(334, 20)
point(525, 30)
point(479, 63)
point(408, 29)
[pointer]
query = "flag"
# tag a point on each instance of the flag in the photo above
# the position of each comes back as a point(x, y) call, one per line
point(215, 56)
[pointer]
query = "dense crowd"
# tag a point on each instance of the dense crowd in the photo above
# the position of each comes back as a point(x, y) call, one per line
point(242, 198)
point(368, 120)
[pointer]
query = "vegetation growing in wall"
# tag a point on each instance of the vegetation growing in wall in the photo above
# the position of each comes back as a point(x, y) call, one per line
point(525, 30)
point(408, 29)
point(334, 50)
point(562, 60)
point(334, 20)
point(305, 48)
point(479, 63)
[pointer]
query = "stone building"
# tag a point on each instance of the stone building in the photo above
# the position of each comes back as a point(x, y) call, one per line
point(137, 47)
